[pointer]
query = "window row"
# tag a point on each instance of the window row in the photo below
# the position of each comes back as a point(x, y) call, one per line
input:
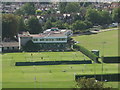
point(56, 39)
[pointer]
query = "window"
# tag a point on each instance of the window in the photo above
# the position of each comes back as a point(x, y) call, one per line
point(7, 48)
point(35, 39)
point(13, 48)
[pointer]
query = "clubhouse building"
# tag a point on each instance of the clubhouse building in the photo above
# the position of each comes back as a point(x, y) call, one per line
point(53, 39)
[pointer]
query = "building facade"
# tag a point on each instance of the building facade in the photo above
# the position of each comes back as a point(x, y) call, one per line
point(51, 39)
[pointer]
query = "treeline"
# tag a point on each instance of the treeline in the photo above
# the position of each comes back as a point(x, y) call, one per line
point(74, 17)
point(14, 24)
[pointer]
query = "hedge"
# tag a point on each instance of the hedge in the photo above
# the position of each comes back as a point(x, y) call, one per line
point(52, 63)
point(99, 77)
point(114, 59)
point(86, 52)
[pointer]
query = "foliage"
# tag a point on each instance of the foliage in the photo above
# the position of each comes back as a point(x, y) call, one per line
point(81, 25)
point(9, 25)
point(67, 26)
point(30, 46)
point(72, 7)
point(48, 25)
point(116, 15)
point(59, 24)
point(105, 17)
point(78, 25)
point(77, 17)
point(21, 24)
point(27, 9)
point(33, 25)
point(86, 52)
point(90, 83)
point(53, 19)
point(38, 12)
point(98, 17)
point(88, 24)
point(93, 16)
point(62, 6)
point(19, 12)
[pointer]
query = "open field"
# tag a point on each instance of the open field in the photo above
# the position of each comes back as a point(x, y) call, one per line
point(59, 76)
point(95, 41)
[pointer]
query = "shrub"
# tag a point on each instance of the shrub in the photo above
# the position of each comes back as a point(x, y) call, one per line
point(30, 46)
point(86, 52)
point(90, 84)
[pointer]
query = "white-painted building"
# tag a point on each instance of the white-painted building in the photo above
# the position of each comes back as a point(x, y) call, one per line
point(53, 37)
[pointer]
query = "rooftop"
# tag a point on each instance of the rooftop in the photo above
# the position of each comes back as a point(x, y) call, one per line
point(9, 44)
point(54, 32)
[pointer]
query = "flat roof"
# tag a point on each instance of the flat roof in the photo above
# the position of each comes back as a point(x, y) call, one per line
point(47, 33)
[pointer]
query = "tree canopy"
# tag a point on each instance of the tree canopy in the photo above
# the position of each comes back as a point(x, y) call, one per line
point(9, 25)
point(72, 7)
point(93, 16)
point(33, 25)
point(91, 84)
point(116, 15)
point(27, 9)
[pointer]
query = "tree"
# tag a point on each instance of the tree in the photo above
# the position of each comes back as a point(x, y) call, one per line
point(79, 25)
point(67, 26)
point(116, 15)
point(72, 7)
point(21, 24)
point(48, 25)
point(62, 6)
point(19, 12)
point(77, 17)
point(53, 19)
point(90, 83)
point(9, 25)
point(59, 24)
point(88, 24)
point(30, 46)
point(33, 25)
point(93, 16)
point(27, 9)
point(105, 17)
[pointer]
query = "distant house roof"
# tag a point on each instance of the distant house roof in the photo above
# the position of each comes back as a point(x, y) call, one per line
point(9, 44)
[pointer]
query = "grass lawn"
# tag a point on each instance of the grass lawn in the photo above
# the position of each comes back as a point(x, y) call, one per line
point(95, 41)
point(52, 76)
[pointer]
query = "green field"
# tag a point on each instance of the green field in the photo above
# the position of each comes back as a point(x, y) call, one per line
point(52, 76)
point(95, 41)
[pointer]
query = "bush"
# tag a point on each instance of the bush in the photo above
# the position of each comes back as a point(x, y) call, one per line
point(86, 52)
point(30, 46)
point(90, 84)
point(111, 59)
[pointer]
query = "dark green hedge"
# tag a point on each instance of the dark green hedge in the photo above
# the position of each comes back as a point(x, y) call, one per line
point(52, 63)
point(111, 59)
point(86, 52)
point(30, 46)
point(99, 77)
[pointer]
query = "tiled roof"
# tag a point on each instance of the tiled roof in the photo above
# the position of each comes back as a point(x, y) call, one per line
point(9, 44)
